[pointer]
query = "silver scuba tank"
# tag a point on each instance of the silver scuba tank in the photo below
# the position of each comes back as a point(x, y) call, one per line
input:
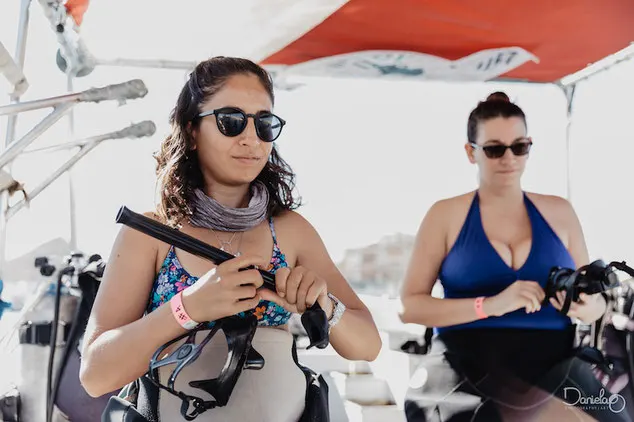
point(37, 328)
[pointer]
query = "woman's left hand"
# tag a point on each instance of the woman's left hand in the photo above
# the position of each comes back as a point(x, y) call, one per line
point(588, 309)
point(298, 289)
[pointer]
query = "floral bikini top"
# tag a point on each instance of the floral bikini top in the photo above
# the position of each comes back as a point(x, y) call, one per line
point(172, 278)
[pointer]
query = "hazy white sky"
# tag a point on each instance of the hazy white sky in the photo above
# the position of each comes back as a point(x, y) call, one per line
point(370, 156)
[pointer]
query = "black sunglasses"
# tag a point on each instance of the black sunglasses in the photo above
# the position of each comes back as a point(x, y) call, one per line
point(232, 121)
point(497, 151)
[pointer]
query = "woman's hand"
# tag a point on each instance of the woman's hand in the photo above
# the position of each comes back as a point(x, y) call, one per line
point(521, 294)
point(588, 309)
point(298, 289)
point(224, 290)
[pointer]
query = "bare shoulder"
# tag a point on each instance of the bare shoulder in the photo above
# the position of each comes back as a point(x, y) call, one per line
point(130, 238)
point(552, 206)
point(153, 215)
point(296, 234)
point(450, 209)
point(127, 281)
point(548, 200)
point(459, 201)
point(561, 216)
point(133, 256)
point(445, 218)
point(292, 223)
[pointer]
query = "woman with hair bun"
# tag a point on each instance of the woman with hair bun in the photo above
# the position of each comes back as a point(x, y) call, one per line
point(498, 352)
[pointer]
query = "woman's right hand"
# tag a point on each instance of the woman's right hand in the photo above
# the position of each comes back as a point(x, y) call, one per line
point(521, 294)
point(224, 290)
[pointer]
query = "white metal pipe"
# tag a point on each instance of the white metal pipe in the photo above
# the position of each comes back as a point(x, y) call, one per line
point(12, 72)
point(20, 56)
point(71, 186)
point(16, 147)
point(599, 66)
point(53, 148)
point(129, 90)
point(148, 63)
point(13, 109)
point(138, 130)
point(75, 143)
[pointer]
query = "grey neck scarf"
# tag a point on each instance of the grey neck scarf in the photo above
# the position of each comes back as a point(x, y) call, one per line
point(211, 214)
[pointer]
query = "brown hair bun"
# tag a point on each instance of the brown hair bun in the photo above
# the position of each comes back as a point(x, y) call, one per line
point(498, 96)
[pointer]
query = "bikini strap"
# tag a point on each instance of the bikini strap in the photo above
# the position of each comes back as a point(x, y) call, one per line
point(272, 227)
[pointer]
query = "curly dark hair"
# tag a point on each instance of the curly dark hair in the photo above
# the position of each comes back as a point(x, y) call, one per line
point(178, 171)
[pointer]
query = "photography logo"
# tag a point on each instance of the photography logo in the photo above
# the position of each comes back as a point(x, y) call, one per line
point(615, 402)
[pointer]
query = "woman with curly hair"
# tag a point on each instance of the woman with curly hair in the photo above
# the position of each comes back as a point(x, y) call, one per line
point(222, 181)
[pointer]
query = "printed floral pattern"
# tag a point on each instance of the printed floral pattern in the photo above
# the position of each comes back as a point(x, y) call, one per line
point(173, 278)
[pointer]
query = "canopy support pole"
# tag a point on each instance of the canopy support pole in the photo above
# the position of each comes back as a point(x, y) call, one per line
point(569, 92)
point(569, 84)
point(600, 66)
point(20, 58)
point(70, 74)
point(148, 63)
point(137, 130)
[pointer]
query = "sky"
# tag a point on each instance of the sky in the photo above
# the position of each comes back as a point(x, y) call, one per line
point(370, 156)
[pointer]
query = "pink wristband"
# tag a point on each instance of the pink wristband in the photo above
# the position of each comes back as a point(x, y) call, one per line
point(478, 308)
point(178, 310)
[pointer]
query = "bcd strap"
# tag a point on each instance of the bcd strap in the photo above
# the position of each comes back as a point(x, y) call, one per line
point(40, 332)
point(594, 356)
point(416, 348)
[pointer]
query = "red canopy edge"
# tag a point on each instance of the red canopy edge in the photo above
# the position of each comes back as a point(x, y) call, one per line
point(565, 35)
point(77, 9)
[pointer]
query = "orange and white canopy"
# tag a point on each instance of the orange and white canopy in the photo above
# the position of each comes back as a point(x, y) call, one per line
point(527, 40)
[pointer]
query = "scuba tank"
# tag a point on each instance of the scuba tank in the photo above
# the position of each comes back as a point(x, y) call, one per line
point(50, 331)
point(41, 335)
point(68, 395)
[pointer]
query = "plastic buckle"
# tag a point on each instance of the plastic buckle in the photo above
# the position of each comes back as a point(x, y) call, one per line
point(40, 333)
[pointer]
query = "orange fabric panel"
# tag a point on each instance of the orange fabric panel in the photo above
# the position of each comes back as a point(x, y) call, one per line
point(77, 9)
point(566, 35)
